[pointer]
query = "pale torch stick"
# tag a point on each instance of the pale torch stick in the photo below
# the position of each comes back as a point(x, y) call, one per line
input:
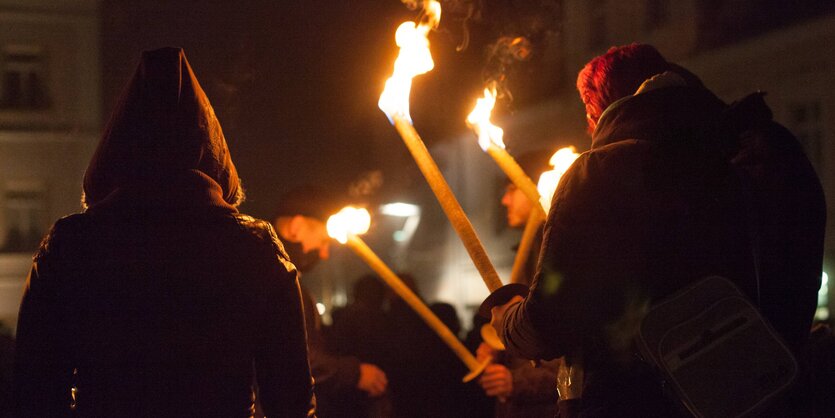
point(345, 227)
point(414, 59)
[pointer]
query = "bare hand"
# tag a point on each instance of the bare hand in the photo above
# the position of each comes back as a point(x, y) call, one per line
point(372, 380)
point(497, 313)
point(485, 353)
point(497, 381)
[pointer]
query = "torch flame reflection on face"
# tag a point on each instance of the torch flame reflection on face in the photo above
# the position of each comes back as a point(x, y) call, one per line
point(414, 59)
point(548, 181)
point(479, 120)
point(349, 221)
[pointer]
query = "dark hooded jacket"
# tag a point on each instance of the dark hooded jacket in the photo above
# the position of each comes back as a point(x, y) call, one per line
point(655, 204)
point(161, 299)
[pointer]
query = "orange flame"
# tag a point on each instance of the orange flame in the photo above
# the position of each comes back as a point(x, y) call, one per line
point(414, 59)
point(348, 221)
point(548, 181)
point(479, 120)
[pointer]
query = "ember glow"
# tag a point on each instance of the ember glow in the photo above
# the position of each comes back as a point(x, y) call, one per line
point(348, 221)
point(548, 181)
point(479, 120)
point(414, 59)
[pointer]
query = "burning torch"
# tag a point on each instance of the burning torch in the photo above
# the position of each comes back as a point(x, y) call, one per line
point(345, 227)
point(415, 59)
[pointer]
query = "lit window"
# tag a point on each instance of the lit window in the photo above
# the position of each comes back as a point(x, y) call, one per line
point(24, 210)
point(23, 84)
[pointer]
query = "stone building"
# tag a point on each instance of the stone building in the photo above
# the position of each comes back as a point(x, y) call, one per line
point(50, 116)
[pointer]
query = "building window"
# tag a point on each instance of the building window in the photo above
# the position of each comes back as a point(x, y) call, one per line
point(597, 26)
point(657, 14)
point(24, 210)
point(23, 72)
point(806, 122)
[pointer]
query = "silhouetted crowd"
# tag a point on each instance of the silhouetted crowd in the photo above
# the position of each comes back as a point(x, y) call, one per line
point(161, 299)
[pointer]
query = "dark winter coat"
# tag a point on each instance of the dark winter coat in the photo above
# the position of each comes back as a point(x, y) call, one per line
point(161, 299)
point(654, 205)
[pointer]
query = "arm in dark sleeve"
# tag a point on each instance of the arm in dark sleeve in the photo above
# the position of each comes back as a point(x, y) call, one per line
point(281, 358)
point(535, 384)
point(43, 369)
point(334, 374)
point(586, 251)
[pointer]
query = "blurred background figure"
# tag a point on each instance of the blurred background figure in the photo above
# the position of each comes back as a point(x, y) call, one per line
point(358, 330)
point(344, 384)
point(520, 389)
point(425, 374)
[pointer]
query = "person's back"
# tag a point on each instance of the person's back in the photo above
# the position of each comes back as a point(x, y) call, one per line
point(657, 203)
point(163, 312)
point(161, 299)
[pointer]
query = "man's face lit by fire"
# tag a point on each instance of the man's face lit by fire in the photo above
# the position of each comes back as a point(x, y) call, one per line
point(305, 239)
point(313, 236)
point(518, 206)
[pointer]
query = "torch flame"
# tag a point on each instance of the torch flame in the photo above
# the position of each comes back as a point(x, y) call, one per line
point(548, 181)
point(479, 120)
point(414, 59)
point(349, 221)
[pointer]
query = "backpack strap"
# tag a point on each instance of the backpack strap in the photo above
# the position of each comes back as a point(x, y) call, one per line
point(753, 230)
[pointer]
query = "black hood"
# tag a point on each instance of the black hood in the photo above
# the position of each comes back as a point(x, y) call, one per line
point(162, 127)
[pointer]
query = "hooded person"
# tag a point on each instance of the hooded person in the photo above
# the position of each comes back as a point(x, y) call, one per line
point(161, 299)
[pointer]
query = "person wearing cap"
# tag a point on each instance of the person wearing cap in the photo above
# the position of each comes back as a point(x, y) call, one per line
point(344, 384)
point(161, 299)
point(677, 186)
point(521, 390)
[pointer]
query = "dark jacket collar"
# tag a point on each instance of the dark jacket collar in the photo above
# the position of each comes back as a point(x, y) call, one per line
point(671, 114)
point(189, 190)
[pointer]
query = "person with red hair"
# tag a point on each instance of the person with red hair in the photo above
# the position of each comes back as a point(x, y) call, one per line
point(670, 191)
point(618, 73)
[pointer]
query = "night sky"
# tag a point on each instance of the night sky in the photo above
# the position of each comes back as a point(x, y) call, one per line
point(295, 84)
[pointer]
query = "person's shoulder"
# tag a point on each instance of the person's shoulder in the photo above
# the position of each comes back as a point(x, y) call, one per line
point(258, 228)
point(72, 222)
point(259, 232)
point(609, 163)
point(63, 229)
point(622, 151)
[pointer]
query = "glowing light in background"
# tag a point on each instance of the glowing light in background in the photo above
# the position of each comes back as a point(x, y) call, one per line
point(400, 209)
point(822, 313)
